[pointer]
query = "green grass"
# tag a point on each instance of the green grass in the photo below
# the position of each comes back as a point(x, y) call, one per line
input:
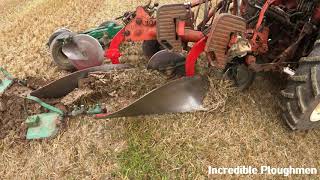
point(139, 161)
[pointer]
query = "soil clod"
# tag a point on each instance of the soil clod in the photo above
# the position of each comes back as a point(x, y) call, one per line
point(14, 109)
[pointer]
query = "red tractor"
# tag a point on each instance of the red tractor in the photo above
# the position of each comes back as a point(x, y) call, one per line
point(238, 38)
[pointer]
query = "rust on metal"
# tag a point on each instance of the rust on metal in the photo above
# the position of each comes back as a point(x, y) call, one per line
point(223, 26)
point(167, 16)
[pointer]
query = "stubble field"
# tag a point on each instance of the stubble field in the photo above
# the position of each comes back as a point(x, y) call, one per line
point(241, 129)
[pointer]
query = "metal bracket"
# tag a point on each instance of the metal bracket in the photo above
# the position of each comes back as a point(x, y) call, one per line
point(7, 81)
point(45, 105)
point(43, 125)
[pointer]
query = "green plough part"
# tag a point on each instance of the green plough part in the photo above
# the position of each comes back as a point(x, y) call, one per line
point(45, 105)
point(7, 81)
point(43, 125)
point(109, 30)
point(96, 109)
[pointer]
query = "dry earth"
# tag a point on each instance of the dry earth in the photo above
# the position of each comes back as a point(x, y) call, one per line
point(240, 128)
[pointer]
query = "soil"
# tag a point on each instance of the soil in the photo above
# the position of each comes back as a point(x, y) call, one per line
point(35, 83)
point(75, 96)
point(118, 89)
point(115, 89)
point(14, 109)
point(12, 113)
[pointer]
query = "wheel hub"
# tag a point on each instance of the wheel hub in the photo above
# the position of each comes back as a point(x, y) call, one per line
point(315, 116)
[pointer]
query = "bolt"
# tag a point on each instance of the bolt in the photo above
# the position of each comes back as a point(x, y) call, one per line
point(139, 21)
point(151, 22)
point(126, 33)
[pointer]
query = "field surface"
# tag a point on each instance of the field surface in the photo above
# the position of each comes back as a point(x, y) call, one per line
point(240, 129)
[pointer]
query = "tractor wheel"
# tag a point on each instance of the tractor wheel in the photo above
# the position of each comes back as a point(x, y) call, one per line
point(301, 99)
point(60, 59)
point(150, 48)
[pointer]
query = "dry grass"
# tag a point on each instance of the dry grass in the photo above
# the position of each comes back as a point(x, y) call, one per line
point(241, 128)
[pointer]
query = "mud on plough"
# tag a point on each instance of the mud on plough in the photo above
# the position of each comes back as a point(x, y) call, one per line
point(237, 39)
point(98, 91)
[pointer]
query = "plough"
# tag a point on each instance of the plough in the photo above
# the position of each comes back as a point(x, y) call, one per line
point(237, 38)
point(47, 124)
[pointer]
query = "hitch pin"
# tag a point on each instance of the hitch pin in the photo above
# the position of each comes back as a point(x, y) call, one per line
point(289, 71)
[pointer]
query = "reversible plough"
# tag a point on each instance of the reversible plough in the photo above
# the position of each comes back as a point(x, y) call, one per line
point(238, 39)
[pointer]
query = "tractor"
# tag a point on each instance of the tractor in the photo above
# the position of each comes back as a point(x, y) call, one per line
point(238, 39)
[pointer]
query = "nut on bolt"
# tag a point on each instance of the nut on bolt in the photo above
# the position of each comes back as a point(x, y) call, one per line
point(139, 21)
point(126, 33)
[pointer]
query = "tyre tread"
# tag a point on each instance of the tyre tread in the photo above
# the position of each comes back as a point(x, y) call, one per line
point(313, 59)
point(287, 94)
point(300, 96)
point(314, 81)
point(291, 113)
point(300, 78)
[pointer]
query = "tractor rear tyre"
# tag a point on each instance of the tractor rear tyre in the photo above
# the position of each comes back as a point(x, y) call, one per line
point(300, 100)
